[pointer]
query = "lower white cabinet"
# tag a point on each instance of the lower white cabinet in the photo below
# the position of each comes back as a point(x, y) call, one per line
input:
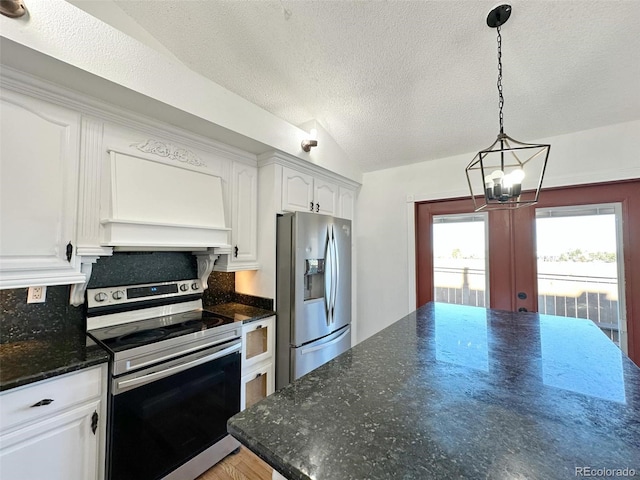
point(55, 429)
point(258, 361)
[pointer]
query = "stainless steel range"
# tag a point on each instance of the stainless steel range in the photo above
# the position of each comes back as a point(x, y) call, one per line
point(175, 379)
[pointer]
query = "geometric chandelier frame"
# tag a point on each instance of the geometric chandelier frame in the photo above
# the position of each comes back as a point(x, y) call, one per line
point(506, 169)
point(507, 155)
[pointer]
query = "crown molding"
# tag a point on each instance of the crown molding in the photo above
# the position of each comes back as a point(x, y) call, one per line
point(277, 157)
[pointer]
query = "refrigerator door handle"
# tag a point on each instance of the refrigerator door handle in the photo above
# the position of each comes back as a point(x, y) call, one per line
point(328, 279)
point(305, 350)
point(335, 273)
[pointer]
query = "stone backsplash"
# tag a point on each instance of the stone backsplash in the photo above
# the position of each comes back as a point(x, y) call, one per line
point(19, 320)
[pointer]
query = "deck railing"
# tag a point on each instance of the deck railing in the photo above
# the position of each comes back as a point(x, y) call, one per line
point(579, 296)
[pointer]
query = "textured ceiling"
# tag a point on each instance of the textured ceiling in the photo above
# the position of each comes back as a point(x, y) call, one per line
point(398, 82)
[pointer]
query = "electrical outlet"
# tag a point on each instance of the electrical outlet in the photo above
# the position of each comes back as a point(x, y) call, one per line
point(37, 295)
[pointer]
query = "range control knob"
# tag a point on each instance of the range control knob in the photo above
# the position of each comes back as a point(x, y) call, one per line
point(118, 295)
point(194, 286)
point(184, 287)
point(101, 297)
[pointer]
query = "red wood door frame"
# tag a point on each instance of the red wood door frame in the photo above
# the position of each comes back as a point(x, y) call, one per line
point(512, 258)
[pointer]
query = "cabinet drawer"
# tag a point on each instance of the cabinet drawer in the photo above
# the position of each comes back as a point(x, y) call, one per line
point(20, 406)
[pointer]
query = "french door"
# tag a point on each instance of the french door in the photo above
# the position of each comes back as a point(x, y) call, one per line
point(575, 253)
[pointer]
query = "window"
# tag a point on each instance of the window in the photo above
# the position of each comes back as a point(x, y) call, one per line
point(459, 259)
point(580, 265)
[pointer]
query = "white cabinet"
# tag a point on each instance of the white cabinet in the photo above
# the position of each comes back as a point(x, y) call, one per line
point(306, 193)
point(39, 156)
point(297, 191)
point(55, 428)
point(346, 202)
point(244, 220)
point(326, 197)
point(258, 362)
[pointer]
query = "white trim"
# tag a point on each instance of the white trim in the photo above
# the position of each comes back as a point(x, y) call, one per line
point(411, 256)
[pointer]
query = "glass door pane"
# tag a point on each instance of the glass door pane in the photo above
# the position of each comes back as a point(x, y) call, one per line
point(580, 265)
point(460, 260)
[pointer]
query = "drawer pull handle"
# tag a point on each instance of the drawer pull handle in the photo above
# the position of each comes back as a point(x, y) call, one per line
point(259, 327)
point(259, 375)
point(45, 401)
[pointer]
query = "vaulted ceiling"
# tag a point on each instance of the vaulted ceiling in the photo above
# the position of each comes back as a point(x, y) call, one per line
point(398, 82)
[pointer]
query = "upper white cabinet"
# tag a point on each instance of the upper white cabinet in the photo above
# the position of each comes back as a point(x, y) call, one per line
point(244, 220)
point(326, 197)
point(306, 193)
point(297, 191)
point(39, 157)
point(346, 202)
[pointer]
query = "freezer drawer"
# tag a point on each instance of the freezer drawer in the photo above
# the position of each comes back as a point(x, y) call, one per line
point(312, 355)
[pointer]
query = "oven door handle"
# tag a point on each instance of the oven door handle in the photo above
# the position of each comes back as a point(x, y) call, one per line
point(122, 385)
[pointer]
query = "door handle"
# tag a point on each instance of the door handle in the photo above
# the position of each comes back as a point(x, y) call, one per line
point(304, 351)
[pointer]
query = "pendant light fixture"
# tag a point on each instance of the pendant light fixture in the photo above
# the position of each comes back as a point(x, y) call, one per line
point(509, 173)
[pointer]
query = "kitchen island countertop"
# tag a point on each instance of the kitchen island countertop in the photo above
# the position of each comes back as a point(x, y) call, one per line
point(458, 392)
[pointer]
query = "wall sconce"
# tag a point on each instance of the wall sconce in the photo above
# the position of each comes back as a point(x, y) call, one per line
point(12, 8)
point(311, 141)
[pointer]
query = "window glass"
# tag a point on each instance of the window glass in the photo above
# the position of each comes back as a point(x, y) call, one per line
point(459, 259)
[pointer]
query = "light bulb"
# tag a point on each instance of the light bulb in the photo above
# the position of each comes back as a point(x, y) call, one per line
point(497, 176)
point(517, 175)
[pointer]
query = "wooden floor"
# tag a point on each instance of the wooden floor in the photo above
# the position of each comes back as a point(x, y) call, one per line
point(243, 465)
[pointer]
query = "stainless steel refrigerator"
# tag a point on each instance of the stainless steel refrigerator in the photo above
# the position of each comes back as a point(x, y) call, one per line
point(313, 297)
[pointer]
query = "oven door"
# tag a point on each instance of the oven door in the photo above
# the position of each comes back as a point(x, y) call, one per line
point(165, 415)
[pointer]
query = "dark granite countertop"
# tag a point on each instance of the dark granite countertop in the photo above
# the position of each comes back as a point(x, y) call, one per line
point(240, 312)
point(457, 392)
point(48, 355)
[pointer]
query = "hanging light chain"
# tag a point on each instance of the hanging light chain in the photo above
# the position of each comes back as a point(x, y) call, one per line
point(500, 97)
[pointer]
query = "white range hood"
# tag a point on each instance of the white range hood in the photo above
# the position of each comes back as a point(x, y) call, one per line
point(160, 205)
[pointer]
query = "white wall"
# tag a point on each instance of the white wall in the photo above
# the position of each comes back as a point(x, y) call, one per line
point(385, 242)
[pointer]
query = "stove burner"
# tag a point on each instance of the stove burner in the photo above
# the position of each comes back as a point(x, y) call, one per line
point(144, 336)
point(212, 322)
point(191, 323)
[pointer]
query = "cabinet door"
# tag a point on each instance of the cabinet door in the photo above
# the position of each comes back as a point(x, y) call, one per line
point(63, 447)
point(258, 342)
point(256, 385)
point(346, 202)
point(326, 197)
point(297, 191)
point(244, 213)
point(39, 151)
